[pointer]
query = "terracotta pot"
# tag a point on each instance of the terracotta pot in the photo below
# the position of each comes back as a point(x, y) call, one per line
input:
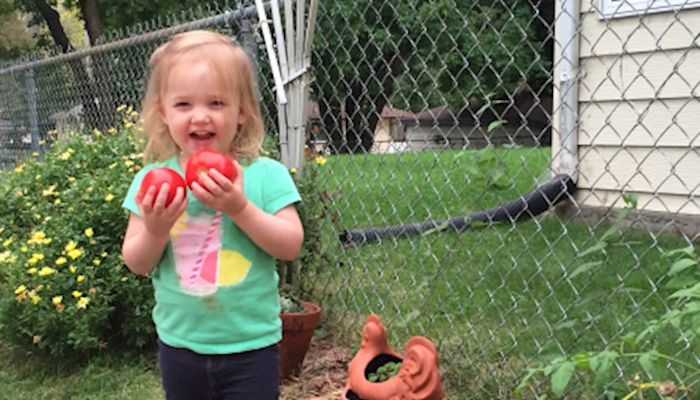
point(417, 379)
point(297, 331)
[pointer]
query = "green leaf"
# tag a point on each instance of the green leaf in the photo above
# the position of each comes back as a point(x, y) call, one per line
point(561, 377)
point(651, 363)
point(494, 125)
point(566, 324)
point(526, 379)
point(584, 268)
point(600, 366)
point(681, 265)
point(600, 246)
point(693, 292)
point(687, 251)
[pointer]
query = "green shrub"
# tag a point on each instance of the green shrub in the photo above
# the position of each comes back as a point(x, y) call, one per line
point(64, 286)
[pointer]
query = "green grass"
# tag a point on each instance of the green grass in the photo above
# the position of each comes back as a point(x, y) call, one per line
point(114, 375)
point(494, 299)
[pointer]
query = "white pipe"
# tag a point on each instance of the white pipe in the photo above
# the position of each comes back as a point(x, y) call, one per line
point(569, 74)
point(298, 56)
point(310, 31)
point(279, 38)
point(274, 66)
point(289, 27)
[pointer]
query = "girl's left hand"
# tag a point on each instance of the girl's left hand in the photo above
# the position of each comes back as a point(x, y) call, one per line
point(219, 193)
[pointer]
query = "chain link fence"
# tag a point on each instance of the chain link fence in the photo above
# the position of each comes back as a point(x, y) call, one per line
point(428, 113)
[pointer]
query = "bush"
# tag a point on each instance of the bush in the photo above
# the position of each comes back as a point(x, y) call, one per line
point(64, 286)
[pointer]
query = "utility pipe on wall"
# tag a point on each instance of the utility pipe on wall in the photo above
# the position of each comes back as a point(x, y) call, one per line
point(568, 30)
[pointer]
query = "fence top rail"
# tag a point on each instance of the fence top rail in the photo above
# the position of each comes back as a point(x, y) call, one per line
point(219, 19)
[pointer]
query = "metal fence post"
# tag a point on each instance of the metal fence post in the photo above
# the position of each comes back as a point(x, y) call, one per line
point(31, 109)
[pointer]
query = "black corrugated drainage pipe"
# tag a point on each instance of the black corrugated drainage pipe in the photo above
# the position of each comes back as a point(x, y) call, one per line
point(536, 202)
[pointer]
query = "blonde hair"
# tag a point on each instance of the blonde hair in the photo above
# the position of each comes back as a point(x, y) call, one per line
point(235, 71)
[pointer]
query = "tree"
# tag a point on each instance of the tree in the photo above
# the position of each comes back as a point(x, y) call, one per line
point(419, 54)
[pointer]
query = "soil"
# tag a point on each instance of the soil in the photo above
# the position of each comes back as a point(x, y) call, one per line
point(323, 374)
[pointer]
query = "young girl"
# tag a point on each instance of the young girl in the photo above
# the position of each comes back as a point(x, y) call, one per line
point(211, 252)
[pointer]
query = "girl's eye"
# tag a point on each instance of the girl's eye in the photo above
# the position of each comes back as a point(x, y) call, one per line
point(181, 104)
point(217, 103)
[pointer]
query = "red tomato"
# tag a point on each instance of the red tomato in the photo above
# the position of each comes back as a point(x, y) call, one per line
point(204, 160)
point(157, 177)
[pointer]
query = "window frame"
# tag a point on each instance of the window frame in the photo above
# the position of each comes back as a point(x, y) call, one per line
point(609, 9)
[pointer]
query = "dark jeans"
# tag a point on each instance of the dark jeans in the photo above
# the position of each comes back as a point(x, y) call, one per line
point(252, 375)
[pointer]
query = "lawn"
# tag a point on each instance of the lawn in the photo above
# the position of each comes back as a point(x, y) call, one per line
point(494, 299)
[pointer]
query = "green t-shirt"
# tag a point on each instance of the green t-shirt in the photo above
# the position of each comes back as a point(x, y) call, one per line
point(216, 290)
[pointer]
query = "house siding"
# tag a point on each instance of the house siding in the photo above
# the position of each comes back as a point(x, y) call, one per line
point(639, 110)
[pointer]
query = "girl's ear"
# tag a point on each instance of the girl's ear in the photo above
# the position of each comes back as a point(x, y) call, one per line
point(161, 110)
point(242, 116)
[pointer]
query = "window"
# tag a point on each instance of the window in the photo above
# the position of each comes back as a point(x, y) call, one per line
point(625, 8)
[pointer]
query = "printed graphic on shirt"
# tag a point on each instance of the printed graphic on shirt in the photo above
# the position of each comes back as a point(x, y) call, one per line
point(201, 263)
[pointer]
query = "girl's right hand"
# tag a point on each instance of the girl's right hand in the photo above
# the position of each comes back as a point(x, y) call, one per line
point(157, 217)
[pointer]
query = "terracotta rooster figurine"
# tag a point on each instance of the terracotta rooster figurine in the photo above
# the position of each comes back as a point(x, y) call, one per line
point(417, 379)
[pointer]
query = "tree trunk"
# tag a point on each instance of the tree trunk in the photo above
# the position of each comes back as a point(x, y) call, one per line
point(53, 20)
point(93, 25)
point(102, 86)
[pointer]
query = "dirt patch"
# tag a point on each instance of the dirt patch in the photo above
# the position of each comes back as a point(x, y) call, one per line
point(323, 375)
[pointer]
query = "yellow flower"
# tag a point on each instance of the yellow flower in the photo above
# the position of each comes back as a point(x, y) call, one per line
point(320, 160)
point(61, 260)
point(8, 242)
point(89, 232)
point(7, 257)
point(46, 271)
point(121, 108)
point(19, 169)
point(71, 179)
point(66, 154)
point(97, 261)
point(75, 253)
point(80, 278)
point(57, 300)
point(124, 279)
point(35, 299)
point(20, 289)
point(36, 257)
point(109, 197)
point(104, 254)
point(50, 191)
point(57, 202)
point(32, 271)
point(83, 302)
point(24, 249)
point(70, 246)
point(293, 171)
point(72, 269)
point(38, 237)
point(76, 294)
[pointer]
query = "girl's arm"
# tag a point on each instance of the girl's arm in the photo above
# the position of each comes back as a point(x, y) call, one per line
point(281, 235)
point(147, 235)
point(141, 249)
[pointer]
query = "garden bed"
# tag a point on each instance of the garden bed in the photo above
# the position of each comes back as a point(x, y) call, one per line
point(323, 375)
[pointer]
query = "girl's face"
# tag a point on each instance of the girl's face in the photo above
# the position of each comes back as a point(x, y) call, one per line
point(197, 111)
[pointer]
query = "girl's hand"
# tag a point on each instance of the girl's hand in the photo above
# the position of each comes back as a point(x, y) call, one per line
point(159, 219)
point(219, 193)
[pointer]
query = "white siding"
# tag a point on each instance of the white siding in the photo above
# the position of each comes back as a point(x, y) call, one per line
point(639, 107)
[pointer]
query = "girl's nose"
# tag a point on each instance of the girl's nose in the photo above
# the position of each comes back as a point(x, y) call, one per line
point(200, 115)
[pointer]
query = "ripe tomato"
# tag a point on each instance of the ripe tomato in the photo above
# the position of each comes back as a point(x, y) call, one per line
point(157, 177)
point(204, 160)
